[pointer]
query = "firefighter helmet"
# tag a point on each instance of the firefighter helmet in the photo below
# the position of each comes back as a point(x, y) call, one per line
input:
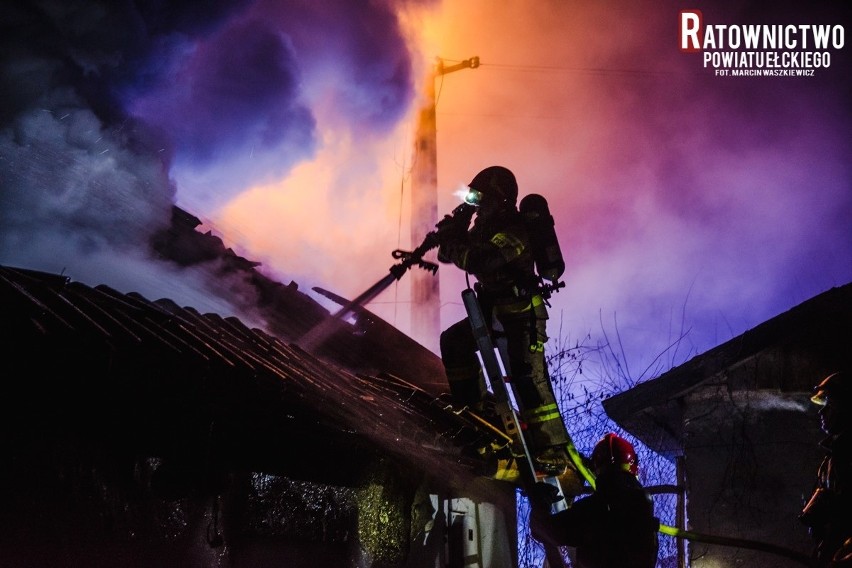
point(496, 181)
point(615, 450)
point(835, 385)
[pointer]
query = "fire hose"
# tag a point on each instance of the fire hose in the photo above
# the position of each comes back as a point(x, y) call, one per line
point(693, 536)
point(737, 543)
point(407, 260)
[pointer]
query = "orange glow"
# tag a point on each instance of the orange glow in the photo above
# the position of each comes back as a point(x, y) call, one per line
point(335, 220)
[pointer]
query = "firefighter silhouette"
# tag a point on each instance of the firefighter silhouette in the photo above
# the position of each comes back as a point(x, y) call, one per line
point(828, 512)
point(615, 526)
point(497, 250)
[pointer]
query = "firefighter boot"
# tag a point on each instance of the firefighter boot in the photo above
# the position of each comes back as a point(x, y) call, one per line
point(553, 460)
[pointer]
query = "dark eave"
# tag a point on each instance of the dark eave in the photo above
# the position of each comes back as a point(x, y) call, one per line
point(786, 354)
point(128, 375)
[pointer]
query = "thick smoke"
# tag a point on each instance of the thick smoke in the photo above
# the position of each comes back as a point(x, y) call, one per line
point(115, 111)
point(684, 201)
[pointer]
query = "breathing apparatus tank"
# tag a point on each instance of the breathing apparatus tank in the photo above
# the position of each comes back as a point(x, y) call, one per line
point(540, 225)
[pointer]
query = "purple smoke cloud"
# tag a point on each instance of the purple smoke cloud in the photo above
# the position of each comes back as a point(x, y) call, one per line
point(113, 111)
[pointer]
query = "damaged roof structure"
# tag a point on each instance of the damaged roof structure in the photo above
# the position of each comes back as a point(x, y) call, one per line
point(137, 430)
point(739, 423)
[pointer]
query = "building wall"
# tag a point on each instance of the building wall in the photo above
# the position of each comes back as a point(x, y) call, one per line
point(750, 460)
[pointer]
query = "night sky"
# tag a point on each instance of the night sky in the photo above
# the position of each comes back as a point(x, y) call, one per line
point(686, 203)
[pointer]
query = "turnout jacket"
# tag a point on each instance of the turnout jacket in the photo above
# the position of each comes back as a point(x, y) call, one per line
point(828, 513)
point(497, 252)
point(614, 527)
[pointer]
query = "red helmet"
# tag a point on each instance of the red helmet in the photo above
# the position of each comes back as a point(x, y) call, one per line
point(615, 450)
point(835, 385)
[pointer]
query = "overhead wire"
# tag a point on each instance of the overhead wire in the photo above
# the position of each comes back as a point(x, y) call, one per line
point(588, 70)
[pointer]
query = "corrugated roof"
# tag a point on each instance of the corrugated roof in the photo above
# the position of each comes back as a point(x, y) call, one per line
point(149, 376)
point(369, 346)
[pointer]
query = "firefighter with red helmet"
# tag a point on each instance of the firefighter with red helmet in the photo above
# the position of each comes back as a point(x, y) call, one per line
point(497, 252)
point(615, 526)
point(828, 512)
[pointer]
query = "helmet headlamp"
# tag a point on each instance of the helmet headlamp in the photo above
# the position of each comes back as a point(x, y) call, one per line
point(473, 197)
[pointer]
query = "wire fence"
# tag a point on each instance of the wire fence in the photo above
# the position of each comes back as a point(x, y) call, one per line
point(583, 374)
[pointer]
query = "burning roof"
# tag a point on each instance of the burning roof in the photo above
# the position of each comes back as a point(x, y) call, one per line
point(155, 377)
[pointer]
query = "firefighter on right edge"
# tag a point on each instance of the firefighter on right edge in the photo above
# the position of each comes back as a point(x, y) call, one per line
point(615, 526)
point(828, 512)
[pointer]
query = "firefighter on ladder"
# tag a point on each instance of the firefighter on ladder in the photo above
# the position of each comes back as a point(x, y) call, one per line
point(497, 252)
